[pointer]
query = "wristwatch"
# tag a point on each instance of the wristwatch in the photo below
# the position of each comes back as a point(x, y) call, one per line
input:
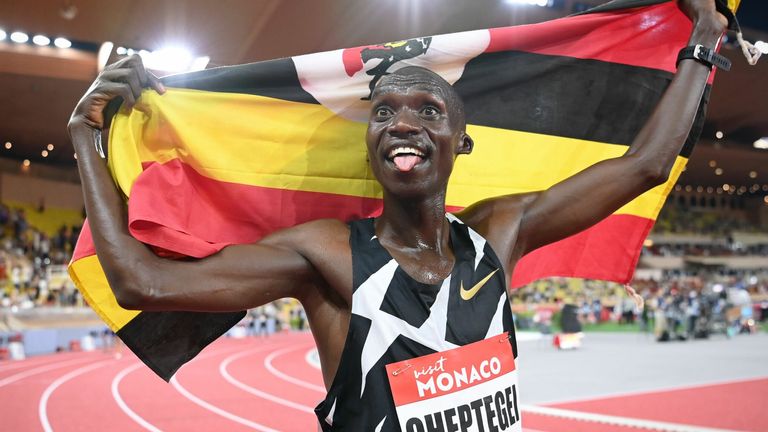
point(705, 56)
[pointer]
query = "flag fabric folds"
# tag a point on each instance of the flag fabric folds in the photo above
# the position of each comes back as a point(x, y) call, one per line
point(231, 154)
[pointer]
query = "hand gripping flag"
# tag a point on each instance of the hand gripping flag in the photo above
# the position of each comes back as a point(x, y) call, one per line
point(231, 154)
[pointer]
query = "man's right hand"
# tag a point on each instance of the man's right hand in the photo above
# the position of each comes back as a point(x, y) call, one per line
point(125, 79)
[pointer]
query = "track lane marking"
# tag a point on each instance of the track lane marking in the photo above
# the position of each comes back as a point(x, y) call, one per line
point(115, 389)
point(313, 358)
point(213, 408)
point(256, 392)
point(217, 410)
point(616, 420)
point(614, 395)
point(301, 383)
point(26, 363)
point(42, 407)
point(38, 370)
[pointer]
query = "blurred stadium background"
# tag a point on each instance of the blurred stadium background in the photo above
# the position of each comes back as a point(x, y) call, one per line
point(703, 272)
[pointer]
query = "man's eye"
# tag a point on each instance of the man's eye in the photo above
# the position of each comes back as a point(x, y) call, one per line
point(430, 111)
point(382, 112)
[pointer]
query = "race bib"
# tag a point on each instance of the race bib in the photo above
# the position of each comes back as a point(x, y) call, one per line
point(470, 388)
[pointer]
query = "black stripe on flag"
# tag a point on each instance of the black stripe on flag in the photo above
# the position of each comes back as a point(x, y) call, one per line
point(164, 341)
point(564, 96)
point(273, 78)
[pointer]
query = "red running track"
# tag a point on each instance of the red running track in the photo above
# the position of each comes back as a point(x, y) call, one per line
point(268, 385)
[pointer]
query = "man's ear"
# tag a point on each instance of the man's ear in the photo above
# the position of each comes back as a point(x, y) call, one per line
point(466, 144)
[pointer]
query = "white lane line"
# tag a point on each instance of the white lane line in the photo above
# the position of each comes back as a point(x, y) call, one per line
point(616, 420)
point(210, 407)
point(612, 395)
point(124, 406)
point(254, 391)
point(115, 387)
point(226, 414)
point(301, 383)
point(26, 363)
point(313, 358)
point(42, 407)
point(38, 370)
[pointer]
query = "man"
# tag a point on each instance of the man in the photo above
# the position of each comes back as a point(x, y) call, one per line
point(343, 274)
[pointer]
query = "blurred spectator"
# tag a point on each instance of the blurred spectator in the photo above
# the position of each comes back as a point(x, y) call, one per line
point(32, 265)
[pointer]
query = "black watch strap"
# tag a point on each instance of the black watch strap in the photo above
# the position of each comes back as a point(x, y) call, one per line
point(705, 56)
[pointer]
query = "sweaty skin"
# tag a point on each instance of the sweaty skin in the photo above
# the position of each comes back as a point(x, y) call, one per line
point(412, 108)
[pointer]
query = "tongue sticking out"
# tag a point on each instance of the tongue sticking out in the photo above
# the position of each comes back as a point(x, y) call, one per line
point(406, 162)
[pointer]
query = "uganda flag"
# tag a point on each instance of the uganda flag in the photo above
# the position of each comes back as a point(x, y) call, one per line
point(231, 154)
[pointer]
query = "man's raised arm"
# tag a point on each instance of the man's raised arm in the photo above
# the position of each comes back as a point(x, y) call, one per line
point(236, 278)
point(595, 193)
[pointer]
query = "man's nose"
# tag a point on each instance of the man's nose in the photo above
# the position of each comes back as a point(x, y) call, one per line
point(404, 123)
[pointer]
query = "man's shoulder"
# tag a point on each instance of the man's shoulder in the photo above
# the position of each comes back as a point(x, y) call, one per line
point(328, 228)
point(497, 212)
point(315, 234)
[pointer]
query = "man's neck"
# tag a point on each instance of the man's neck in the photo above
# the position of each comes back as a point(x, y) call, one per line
point(418, 224)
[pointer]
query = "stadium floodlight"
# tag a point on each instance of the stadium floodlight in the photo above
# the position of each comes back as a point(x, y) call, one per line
point(3, 35)
point(62, 42)
point(105, 50)
point(19, 37)
point(542, 3)
point(173, 59)
point(761, 144)
point(41, 40)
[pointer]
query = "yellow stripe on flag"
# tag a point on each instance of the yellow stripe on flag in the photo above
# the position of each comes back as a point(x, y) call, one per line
point(90, 279)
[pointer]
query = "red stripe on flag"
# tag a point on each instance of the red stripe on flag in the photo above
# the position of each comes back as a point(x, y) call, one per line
point(84, 246)
point(646, 37)
point(175, 208)
point(607, 251)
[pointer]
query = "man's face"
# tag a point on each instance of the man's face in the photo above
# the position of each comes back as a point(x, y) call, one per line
point(414, 134)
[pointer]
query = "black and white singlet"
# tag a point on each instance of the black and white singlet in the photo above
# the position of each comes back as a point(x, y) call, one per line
point(396, 318)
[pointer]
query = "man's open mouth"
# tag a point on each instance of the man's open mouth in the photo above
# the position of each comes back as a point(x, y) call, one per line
point(405, 158)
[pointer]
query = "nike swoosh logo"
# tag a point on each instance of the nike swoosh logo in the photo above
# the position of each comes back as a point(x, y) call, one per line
point(468, 294)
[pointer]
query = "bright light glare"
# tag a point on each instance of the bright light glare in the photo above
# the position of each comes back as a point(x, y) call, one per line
point(542, 3)
point(719, 134)
point(8, 145)
point(199, 63)
point(50, 147)
point(121, 51)
point(3, 35)
point(62, 43)
point(762, 46)
point(41, 40)
point(19, 37)
point(762, 143)
point(170, 59)
point(105, 50)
